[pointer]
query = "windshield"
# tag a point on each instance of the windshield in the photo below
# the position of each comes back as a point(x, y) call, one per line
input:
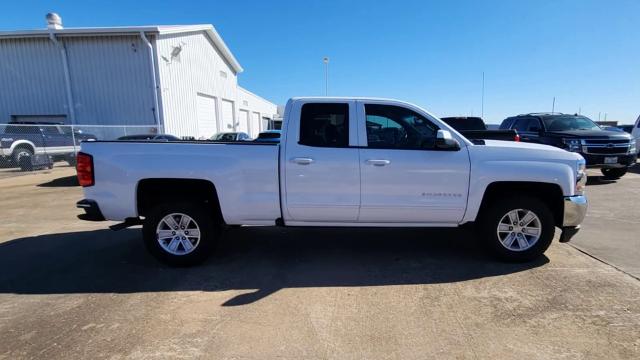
point(569, 122)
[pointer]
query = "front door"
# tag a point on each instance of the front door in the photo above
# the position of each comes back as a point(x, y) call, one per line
point(321, 171)
point(405, 179)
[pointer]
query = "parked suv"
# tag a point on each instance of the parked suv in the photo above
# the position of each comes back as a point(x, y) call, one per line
point(611, 151)
point(20, 139)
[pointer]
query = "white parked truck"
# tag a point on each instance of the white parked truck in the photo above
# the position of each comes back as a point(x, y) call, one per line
point(340, 162)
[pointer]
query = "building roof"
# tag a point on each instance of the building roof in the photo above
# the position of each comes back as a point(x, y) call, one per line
point(128, 30)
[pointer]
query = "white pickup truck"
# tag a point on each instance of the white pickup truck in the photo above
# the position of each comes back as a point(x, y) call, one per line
point(340, 162)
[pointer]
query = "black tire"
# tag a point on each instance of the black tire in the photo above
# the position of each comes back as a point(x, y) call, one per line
point(493, 214)
point(614, 173)
point(25, 163)
point(20, 152)
point(205, 222)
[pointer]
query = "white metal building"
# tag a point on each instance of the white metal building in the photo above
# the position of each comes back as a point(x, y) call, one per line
point(182, 79)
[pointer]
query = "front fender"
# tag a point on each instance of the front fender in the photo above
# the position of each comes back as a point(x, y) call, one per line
point(488, 172)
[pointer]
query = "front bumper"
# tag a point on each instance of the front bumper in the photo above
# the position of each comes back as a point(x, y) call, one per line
point(575, 210)
point(598, 160)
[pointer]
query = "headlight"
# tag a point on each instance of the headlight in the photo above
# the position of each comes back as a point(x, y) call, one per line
point(632, 146)
point(573, 145)
point(581, 177)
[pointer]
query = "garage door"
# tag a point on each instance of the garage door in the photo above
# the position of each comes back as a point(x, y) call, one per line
point(255, 124)
point(207, 120)
point(227, 116)
point(243, 122)
point(265, 124)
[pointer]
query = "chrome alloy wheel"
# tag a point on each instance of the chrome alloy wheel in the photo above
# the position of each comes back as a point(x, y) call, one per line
point(178, 234)
point(519, 229)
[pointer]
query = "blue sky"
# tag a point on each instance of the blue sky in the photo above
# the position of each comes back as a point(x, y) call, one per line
point(432, 53)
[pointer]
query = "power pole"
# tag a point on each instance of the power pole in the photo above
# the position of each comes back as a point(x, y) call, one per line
point(553, 106)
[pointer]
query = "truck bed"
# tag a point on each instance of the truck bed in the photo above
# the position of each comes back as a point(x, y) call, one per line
point(245, 175)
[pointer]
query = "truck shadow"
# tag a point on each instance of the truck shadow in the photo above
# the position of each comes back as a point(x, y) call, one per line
point(66, 181)
point(259, 259)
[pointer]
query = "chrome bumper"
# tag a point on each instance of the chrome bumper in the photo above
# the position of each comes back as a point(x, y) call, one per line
point(575, 209)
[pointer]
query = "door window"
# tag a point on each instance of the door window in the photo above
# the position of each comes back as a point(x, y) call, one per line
point(324, 125)
point(395, 127)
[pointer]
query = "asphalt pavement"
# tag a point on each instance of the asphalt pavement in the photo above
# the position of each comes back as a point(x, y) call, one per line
point(73, 289)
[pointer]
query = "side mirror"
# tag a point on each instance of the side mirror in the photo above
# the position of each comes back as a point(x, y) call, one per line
point(445, 141)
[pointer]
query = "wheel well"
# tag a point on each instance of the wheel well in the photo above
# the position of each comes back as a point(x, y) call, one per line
point(24, 146)
point(550, 194)
point(152, 192)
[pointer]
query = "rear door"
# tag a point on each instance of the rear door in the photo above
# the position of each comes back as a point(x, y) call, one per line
point(55, 141)
point(405, 179)
point(321, 163)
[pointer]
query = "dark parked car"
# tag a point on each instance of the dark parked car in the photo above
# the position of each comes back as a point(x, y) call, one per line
point(269, 136)
point(231, 136)
point(25, 139)
point(150, 137)
point(474, 128)
point(611, 151)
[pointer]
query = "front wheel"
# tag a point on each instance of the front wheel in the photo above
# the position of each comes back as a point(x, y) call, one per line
point(614, 173)
point(179, 234)
point(517, 229)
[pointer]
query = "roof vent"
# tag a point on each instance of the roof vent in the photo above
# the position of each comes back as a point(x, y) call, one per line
point(54, 21)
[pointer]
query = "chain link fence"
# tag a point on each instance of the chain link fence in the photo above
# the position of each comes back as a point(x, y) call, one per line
point(32, 146)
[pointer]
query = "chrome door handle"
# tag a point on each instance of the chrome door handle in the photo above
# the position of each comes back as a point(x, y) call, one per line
point(302, 161)
point(378, 162)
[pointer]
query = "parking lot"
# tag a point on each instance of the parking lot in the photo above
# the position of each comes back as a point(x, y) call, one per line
point(74, 289)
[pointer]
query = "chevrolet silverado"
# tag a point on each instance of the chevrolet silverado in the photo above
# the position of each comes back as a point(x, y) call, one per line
point(340, 162)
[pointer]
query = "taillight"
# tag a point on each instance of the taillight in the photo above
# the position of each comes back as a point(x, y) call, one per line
point(84, 167)
point(516, 138)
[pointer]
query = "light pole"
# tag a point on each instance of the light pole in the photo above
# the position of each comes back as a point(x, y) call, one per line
point(482, 110)
point(325, 60)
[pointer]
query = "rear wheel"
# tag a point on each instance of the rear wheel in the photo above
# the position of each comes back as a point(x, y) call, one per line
point(179, 234)
point(22, 152)
point(614, 173)
point(517, 229)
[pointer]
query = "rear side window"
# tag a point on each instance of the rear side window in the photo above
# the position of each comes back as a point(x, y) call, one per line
point(507, 124)
point(527, 124)
point(324, 125)
point(17, 129)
